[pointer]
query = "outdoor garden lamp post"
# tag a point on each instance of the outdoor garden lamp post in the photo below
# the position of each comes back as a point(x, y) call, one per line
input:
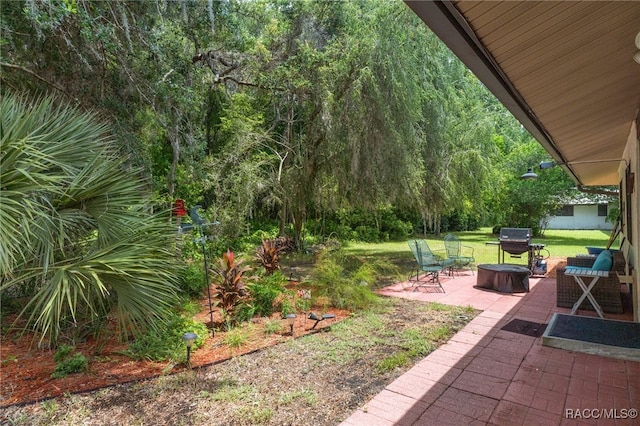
point(189, 338)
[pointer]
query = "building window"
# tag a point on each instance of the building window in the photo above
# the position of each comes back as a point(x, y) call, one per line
point(602, 210)
point(565, 211)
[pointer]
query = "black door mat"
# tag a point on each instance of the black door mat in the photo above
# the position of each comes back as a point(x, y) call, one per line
point(598, 336)
point(528, 328)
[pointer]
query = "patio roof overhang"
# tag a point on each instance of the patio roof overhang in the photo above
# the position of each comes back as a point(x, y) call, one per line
point(564, 69)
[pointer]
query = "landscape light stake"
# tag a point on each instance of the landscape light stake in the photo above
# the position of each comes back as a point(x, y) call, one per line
point(290, 319)
point(189, 338)
point(317, 319)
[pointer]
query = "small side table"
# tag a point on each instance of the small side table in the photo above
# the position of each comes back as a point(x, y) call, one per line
point(578, 274)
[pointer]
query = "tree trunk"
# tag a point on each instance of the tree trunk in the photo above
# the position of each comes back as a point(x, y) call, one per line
point(175, 148)
point(424, 224)
point(298, 218)
point(283, 217)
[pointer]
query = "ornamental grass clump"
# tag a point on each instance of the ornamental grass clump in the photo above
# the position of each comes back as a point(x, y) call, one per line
point(344, 289)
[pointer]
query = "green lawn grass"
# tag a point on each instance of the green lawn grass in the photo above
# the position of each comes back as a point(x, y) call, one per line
point(559, 243)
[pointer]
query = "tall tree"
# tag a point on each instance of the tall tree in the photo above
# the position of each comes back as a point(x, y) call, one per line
point(295, 107)
point(525, 203)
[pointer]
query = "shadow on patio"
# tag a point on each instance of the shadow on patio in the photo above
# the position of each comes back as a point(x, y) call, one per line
point(486, 375)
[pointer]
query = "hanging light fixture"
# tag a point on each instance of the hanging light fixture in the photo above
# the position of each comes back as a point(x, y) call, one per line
point(529, 175)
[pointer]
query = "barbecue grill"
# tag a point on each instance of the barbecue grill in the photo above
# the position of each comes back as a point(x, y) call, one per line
point(515, 241)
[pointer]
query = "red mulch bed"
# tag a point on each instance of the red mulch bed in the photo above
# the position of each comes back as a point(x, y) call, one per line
point(25, 370)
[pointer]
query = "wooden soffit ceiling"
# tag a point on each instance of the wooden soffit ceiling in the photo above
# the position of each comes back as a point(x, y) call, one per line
point(565, 69)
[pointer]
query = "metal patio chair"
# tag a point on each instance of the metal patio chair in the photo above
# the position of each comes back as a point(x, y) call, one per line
point(429, 266)
point(454, 249)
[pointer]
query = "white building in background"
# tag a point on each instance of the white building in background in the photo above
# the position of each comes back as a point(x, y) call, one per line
point(582, 212)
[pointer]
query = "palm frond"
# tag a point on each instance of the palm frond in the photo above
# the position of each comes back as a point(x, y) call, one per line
point(74, 224)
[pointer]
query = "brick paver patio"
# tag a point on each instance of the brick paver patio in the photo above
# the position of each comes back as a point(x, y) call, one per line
point(488, 376)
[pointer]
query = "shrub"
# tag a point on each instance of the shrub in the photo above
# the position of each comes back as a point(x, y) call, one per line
point(65, 364)
point(288, 305)
point(357, 224)
point(236, 338)
point(303, 304)
point(244, 312)
point(165, 343)
point(62, 352)
point(76, 228)
point(268, 254)
point(396, 229)
point(193, 279)
point(349, 291)
point(261, 230)
point(364, 275)
point(265, 293)
point(272, 326)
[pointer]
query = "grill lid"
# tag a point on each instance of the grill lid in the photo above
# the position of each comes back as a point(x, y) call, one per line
point(515, 234)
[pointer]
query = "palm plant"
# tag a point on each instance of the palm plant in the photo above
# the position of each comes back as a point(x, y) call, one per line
point(76, 235)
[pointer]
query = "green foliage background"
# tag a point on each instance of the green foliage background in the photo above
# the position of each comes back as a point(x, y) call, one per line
point(315, 119)
point(291, 112)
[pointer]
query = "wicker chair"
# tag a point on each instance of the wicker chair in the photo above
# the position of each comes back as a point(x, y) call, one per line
point(606, 291)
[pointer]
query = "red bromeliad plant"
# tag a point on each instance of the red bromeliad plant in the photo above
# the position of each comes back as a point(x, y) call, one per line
point(231, 291)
